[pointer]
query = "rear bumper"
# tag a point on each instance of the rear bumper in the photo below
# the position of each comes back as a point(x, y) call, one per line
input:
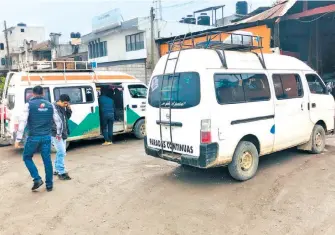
point(206, 159)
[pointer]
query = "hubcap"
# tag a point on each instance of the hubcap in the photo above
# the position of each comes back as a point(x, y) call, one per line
point(318, 139)
point(142, 129)
point(246, 161)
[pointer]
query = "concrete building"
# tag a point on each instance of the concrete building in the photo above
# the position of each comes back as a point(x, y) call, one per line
point(52, 49)
point(20, 39)
point(2, 54)
point(126, 45)
point(228, 20)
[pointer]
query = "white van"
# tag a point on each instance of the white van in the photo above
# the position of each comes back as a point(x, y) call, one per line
point(217, 108)
point(83, 86)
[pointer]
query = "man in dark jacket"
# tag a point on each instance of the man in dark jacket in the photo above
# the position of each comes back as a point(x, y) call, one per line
point(64, 111)
point(106, 105)
point(38, 116)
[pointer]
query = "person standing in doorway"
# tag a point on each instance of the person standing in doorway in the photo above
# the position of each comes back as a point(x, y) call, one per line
point(64, 111)
point(38, 116)
point(106, 105)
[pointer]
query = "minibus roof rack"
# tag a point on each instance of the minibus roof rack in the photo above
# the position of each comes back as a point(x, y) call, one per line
point(215, 41)
point(56, 66)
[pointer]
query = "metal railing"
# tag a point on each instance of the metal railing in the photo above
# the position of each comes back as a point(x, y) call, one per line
point(63, 66)
point(220, 42)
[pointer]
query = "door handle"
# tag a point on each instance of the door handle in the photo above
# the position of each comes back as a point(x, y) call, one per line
point(302, 107)
point(313, 105)
point(92, 109)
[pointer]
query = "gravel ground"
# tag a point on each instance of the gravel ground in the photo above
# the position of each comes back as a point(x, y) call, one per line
point(120, 190)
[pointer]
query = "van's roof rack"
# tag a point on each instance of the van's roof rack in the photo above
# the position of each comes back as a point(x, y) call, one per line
point(56, 66)
point(216, 41)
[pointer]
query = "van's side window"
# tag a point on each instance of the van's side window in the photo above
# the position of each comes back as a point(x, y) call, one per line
point(138, 91)
point(11, 101)
point(89, 95)
point(78, 95)
point(315, 84)
point(29, 94)
point(287, 86)
point(241, 88)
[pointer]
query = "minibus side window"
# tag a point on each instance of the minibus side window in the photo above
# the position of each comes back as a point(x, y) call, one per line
point(11, 101)
point(315, 85)
point(287, 86)
point(76, 94)
point(29, 94)
point(241, 88)
point(138, 91)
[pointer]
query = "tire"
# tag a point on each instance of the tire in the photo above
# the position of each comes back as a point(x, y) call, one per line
point(246, 151)
point(318, 139)
point(139, 129)
point(53, 149)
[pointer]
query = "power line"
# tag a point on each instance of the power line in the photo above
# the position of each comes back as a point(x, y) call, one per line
point(179, 5)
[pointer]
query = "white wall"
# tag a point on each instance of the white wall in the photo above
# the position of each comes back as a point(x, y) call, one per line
point(16, 37)
point(2, 52)
point(116, 48)
point(116, 40)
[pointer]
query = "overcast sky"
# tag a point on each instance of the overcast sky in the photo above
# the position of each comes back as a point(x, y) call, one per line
point(66, 16)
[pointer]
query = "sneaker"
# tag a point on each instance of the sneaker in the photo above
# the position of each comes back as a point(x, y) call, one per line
point(64, 176)
point(107, 143)
point(37, 184)
point(55, 173)
point(49, 189)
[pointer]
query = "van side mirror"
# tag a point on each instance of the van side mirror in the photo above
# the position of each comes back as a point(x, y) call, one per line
point(329, 87)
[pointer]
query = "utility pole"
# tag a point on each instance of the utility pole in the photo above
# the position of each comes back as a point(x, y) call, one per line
point(8, 65)
point(152, 21)
point(160, 9)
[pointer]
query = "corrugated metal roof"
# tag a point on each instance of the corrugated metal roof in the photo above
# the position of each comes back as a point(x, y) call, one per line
point(278, 10)
point(43, 46)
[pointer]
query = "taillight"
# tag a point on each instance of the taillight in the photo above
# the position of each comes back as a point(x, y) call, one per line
point(206, 135)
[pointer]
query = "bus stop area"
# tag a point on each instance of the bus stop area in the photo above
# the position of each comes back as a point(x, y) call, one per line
point(120, 190)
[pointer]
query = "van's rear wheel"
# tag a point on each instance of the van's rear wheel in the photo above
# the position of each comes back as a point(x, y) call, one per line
point(245, 161)
point(318, 139)
point(139, 129)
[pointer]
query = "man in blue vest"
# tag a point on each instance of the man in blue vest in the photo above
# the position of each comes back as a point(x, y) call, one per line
point(38, 116)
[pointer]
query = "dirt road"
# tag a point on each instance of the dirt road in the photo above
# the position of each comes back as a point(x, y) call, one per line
point(120, 190)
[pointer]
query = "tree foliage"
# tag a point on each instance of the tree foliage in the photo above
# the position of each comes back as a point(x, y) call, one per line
point(2, 84)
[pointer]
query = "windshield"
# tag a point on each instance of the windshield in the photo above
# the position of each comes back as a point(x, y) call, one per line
point(138, 91)
point(181, 90)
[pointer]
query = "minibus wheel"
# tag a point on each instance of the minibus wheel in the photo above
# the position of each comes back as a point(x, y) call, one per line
point(139, 129)
point(318, 139)
point(245, 161)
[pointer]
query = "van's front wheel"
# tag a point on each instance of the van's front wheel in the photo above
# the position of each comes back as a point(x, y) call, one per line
point(318, 139)
point(245, 161)
point(139, 129)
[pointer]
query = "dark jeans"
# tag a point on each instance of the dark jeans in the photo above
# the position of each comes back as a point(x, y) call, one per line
point(33, 144)
point(107, 128)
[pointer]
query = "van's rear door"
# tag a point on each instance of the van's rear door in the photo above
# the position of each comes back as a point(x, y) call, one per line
point(173, 113)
